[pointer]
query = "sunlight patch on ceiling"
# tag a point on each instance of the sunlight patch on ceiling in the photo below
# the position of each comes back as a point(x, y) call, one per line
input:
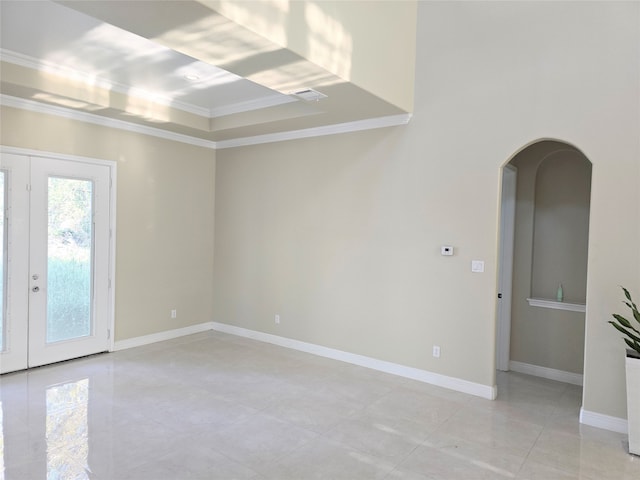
point(78, 85)
point(330, 45)
point(147, 110)
point(90, 55)
point(64, 101)
point(106, 50)
point(296, 75)
point(269, 24)
point(215, 40)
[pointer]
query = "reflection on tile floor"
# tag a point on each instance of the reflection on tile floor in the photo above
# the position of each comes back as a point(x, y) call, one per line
point(215, 406)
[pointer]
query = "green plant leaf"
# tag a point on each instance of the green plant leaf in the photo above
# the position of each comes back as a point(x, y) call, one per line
point(634, 309)
point(624, 322)
point(634, 345)
point(624, 326)
point(625, 331)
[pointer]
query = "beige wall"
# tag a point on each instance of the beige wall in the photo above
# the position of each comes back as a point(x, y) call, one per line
point(552, 213)
point(341, 235)
point(165, 195)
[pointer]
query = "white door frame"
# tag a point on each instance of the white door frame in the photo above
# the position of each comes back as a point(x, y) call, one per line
point(16, 330)
point(505, 267)
point(112, 165)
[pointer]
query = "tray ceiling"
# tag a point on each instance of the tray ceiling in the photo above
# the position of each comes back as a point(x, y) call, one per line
point(179, 66)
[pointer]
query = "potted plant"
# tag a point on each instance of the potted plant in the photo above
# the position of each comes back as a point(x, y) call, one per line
point(631, 330)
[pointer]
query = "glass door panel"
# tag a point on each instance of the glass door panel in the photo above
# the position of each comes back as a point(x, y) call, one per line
point(69, 259)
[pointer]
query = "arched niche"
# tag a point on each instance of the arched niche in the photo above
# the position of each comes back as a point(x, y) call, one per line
point(561, 226)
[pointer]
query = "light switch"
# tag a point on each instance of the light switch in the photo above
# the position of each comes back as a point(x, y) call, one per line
point(477, 266)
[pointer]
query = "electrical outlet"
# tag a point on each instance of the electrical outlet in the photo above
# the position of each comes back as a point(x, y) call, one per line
point(277, 318)
point(174, 314)
point(477, 266)
point(436, 351)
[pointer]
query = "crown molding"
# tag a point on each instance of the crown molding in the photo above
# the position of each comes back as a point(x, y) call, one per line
point(347, 127)
point(38, 107)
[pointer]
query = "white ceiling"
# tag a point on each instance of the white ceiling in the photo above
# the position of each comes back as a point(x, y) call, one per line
point(48, 47)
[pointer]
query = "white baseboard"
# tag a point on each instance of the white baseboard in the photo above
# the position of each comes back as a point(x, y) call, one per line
point(451, 383)
point(548, 373)
point(593, 419)
point(162, 336)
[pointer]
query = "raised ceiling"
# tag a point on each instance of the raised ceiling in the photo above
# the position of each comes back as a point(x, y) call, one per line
point(213, 70)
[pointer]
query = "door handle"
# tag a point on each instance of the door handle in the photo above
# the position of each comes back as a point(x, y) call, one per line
point(35, 289)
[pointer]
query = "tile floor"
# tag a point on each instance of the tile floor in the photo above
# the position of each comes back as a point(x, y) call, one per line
point(215, 406)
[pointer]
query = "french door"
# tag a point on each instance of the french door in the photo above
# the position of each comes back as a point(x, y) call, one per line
point(55, 260)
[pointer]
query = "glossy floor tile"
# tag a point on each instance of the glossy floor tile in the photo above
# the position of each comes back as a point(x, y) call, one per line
point(215, 406)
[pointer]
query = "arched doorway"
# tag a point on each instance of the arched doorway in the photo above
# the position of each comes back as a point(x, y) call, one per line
point(540, 325)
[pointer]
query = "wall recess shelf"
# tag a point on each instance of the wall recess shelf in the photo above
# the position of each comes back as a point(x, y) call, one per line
point(547, 303)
